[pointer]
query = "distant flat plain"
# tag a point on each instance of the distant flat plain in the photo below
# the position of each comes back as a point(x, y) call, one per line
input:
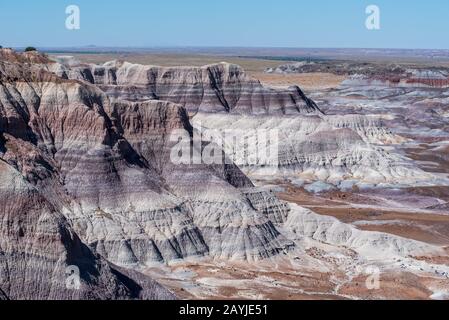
point(255, 60)
point(254, 66)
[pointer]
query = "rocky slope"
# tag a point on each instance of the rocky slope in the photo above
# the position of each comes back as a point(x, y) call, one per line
point(39, 246)
point(106, 166)
point(88, 177)
point(331, 149)
point(221, 98)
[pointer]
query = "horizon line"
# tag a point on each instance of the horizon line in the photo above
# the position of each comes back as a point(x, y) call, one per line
point(223, 47)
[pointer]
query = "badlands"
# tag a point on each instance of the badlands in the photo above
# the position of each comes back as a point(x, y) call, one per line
point(353, 205)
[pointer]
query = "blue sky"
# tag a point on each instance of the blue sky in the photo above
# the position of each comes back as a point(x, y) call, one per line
point(274, 23)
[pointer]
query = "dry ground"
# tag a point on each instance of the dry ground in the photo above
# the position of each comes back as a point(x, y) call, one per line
point(428, 227)
point(307, 81)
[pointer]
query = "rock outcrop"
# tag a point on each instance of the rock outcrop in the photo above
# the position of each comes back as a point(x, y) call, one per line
point(104, 168)
point(219, 87)
point(375, 245)
point(88, 179)
point(330, 148)
point(222, 97)
point(39, 247)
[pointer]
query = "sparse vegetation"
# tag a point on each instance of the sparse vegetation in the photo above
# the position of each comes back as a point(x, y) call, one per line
point(28, 49)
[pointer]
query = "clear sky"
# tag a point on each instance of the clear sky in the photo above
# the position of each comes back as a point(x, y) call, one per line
point(249, 23)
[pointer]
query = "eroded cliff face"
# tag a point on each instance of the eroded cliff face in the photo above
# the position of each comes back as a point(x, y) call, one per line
point(39, 246)
point(87, 177)
point(221, 97)
point(219, 87)
point(104, 168)
point(40, 137)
